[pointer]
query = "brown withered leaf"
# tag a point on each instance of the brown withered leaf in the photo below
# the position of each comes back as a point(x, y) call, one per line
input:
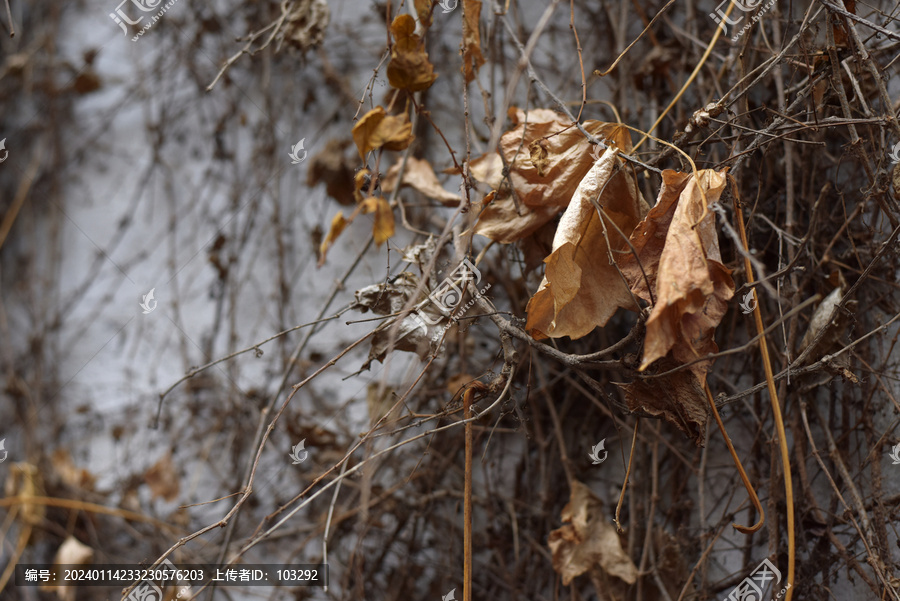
point(332, 167)
point(338, 223)
point(413, 335)
point(472, 57)
point(379, 130)
point(678, 398)
point(500, 222)
point(568, 155)
point(163, 479)
point(409, 68)
point(588, 542)
point(384, 218)
point(419, 175)
point(684, 267)
point(423, 11)
point(581, 288)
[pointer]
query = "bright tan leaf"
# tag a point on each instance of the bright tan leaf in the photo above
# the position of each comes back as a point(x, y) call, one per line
point(338, 223)
point(409, 68)
point(472, 57)
point(678, 398)
point(419, 175)
point(588, 542)
point(379, 130)
point(74, 553)
point(163, 479)
point(684, 268)
point(384, 218)
point(582, 289)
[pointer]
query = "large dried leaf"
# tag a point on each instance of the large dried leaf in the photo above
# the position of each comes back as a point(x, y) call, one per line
point(588, 542)
point(472, 57)
point(563, 155)
point(419, 175)
point(409, 68)
point(678, 398)
point(582, 288)
point(379, 130)
point(682, 263)
point(500, 222)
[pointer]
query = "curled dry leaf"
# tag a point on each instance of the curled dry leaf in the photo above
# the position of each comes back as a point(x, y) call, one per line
point(384, 218)
point(332, 167)
point(678, 398)
point(376, 130)
point(387, 299)
point(419, 175)
point(680, 256)
point(305, 23)
point(338, 223)
point(472, 57)
point(582, 288)
point(423, 11)
point(409, 68)
point(564, 156)
point(71, 552)
point(588, 542)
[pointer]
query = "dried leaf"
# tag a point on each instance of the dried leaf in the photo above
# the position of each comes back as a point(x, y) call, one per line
point(379, 130)
point(582, 289)
point(332, 167)
point(163, 479)
point(419, 175)
point(568, 155)
point(24, 480)
point(681, 260)
point(678, 398)
point(305, 25)
point(588, 542)
point(423, 11)
point(384, 218)
point(338, 223)
point(472, 57)
point(500, 222)
point(387, 299)
point(71, 552)
point(68, 473)
point(409, 68)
